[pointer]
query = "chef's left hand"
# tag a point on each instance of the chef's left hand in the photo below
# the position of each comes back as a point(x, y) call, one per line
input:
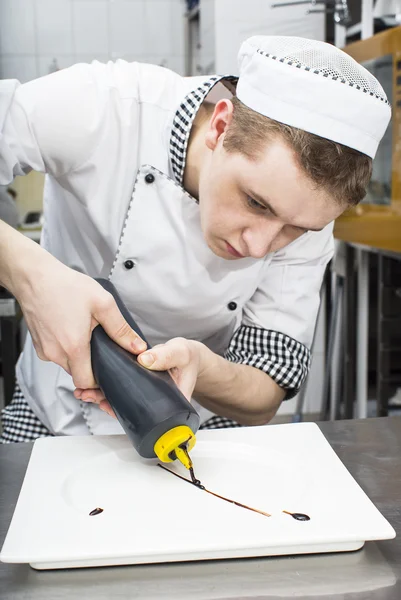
point(179, 356)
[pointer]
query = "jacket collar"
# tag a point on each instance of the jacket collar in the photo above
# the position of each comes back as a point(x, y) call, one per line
point(184, 118)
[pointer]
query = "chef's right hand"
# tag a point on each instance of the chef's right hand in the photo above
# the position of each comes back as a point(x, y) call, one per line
point(61, 309)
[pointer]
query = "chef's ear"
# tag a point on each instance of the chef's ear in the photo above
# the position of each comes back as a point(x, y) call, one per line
point(219, 122)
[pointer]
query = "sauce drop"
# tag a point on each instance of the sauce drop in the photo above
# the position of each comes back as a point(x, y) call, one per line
point(298, 516)
point(95, 511)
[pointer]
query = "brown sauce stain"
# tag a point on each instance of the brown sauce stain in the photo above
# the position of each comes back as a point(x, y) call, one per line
point(95, 511)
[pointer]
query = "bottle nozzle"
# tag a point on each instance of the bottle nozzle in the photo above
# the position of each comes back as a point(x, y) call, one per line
point(175, 444)
point(183, 456)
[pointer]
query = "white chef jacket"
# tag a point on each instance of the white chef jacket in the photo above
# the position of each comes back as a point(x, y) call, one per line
point(112, 139)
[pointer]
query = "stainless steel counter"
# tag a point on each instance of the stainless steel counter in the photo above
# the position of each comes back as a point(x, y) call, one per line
point(371, 450)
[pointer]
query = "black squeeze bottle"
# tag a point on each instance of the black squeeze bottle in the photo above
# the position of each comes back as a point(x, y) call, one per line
point(157, 418)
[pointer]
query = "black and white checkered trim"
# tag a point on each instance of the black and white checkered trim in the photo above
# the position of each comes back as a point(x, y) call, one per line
point(183, 122)
point(299, 65)
point(182, 125)
point(219, 423)
point(284, 359)
point(19, 423)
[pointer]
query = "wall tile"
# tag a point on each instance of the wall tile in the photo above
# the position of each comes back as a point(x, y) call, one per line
point(177, 64)
point(177, 26)
point(162, 60)
point(127, 28)
point(45, 62)
point(207, 36)
point(89, 57)
point(90, 26)
point(157, 24)
point(128, 57)
point(23, 68)
point(17, 27)
point(54, 25)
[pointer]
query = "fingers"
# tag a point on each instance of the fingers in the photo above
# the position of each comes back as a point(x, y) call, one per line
point(117, 328)
point(93, 395)
point(174, 354)
point(80, 367)
point(96, 396)
point(105, 406)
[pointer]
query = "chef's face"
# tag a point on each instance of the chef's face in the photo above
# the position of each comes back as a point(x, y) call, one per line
point(252, 207)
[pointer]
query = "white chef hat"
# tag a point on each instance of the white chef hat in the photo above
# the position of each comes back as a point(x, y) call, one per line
point(313, 86)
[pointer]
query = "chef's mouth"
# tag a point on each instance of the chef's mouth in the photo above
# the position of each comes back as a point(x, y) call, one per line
point(233, 251)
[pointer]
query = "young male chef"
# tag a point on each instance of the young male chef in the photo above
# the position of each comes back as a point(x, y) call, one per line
point(212, 219)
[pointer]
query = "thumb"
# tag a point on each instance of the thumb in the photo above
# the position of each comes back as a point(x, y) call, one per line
point(118, 329)
point(162, 358)
point(159, 358)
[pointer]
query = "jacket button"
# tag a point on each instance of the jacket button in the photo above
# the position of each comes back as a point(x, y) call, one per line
point(149, 178)
point(129, 264)
point(232, 306)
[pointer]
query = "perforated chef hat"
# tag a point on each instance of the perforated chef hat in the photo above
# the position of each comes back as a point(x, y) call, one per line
point(313, 86)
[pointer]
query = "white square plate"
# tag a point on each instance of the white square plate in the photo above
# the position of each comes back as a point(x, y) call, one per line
point(150, 516)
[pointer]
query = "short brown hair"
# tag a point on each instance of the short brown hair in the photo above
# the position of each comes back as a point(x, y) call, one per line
point(341, 171)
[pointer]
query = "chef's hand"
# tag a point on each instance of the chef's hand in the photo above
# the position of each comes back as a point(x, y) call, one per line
point(179, 356)
point(61, 308)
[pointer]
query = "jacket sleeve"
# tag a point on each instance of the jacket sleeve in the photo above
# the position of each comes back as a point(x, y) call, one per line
point(278, 322)
point(54, 123)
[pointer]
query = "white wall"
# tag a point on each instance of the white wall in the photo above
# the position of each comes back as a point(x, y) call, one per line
point(207, 37)
point(236, 20)
point(34, 32)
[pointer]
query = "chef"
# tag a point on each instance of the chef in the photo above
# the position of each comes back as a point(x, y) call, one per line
point(208, 202)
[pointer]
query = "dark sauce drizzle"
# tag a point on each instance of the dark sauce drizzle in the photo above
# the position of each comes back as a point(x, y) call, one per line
point(95, 511)
point(198, 484)
point(195, 481)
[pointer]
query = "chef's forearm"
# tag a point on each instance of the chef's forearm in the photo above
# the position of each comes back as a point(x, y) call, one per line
point(21, 260)
point(15, 252)
point(236, 391)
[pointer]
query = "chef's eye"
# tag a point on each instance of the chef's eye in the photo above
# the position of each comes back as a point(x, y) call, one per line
point(254, 204)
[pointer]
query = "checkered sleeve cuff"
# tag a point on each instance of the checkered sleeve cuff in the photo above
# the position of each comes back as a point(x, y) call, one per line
point(284, 359)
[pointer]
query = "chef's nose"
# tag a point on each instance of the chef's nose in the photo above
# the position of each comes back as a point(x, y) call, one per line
point(260, 237)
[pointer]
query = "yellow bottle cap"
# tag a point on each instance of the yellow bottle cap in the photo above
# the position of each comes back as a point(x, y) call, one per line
point(171, 441)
